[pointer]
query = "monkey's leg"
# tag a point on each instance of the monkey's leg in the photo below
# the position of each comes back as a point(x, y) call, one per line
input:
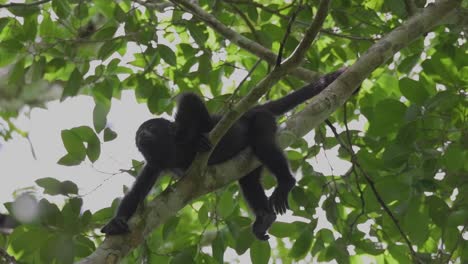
point(193, 122)
point(257, 200)
point(262, 134)
point(129, 204)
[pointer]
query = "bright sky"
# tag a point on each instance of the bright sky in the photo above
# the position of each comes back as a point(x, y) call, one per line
point(44, 126)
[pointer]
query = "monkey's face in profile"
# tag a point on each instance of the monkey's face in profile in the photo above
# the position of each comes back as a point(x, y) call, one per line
point(155, 140)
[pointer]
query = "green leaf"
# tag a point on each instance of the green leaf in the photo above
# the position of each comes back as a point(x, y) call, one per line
point(4, 22)
point(294, 155)
point(260, 252)
point(61, 8)
point(73, 85)
point(326, 235)
point(387, 118)
point(218, 246)
point(454, 158)
point(17, 74)
point(93, 149)
point(109, 134)
point(392, 190)
point(170, 226)
point(203, 215)
point(197, 33)
point(69, 160)
point(73, 144)
point(109, 47)
point(103, 215)
point(105, 33)
point(167, 54)
point(302, 245)
point(100, 116)
point(369, 247)
point(158, 104)
point(458, 218)
point(83, 246)
point(396, 155)
point(81, 11)
point(50, 214)
point(105, 7)
point(438, 210)
point(282, 230)
point(413, 90)
point(68, 187)
point(37, 69)
point(400, 253)
point(24, 10)
point(183, 257)
point(329, 205)
point(51, 186)
point(27, 239)
point(416, 222)
point(226, 204)
point(244, 240)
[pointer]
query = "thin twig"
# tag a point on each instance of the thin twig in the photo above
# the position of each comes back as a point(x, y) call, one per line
point(24, 4)
point(247, 21)
point(299, 53)
point(330, 32)
point(230, 100)
point(356, 176)
point(31, 146)
point(370, 181)
point(240, 40)
point(279, 58)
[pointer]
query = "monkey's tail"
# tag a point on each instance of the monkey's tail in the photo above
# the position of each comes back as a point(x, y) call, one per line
point(288, 102)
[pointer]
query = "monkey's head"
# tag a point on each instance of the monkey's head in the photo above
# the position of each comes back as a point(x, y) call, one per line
point(155, 140)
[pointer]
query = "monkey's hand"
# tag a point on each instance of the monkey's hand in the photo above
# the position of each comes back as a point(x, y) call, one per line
point(116, 226)
point(204, 143)
point(279, 199)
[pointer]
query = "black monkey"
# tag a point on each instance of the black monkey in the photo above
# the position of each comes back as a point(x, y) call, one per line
point(168, 145)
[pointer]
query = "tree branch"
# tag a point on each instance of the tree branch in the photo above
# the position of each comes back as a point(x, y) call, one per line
point(241, 41)
point(6, 257)
point(411, 7)
point(199, 164)
point(24, 4)
point(299, 53)
point(176, 196)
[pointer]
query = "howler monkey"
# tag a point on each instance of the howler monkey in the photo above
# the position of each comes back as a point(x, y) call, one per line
point(168, 145)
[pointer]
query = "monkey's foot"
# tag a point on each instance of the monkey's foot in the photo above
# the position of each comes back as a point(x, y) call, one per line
point(116, 226)
point(279, 199)
point(262, 223)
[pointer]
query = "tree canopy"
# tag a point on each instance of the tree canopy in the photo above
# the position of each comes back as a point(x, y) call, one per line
point(404, 133)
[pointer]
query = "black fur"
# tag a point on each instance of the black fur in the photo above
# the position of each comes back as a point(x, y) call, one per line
point(173, 145)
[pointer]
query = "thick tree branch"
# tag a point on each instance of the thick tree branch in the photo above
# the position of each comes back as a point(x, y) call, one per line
point(411, 7)
point(243, 42)
point(178, 195)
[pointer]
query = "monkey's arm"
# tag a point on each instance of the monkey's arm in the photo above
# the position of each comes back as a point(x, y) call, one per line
point(193, 121)
point(129, 204)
